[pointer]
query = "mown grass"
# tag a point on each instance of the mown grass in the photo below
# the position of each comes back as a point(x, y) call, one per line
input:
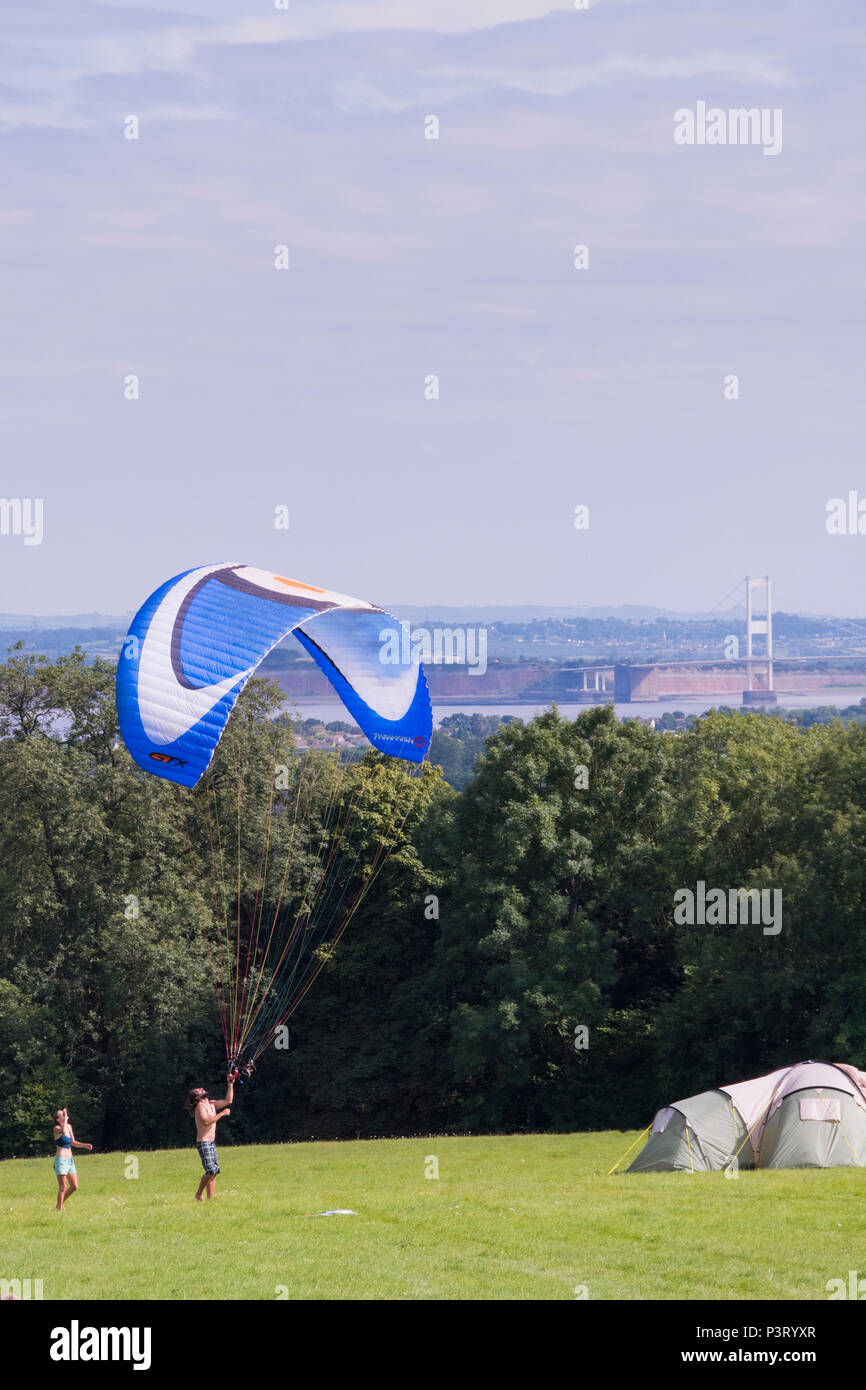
point(511, 1217)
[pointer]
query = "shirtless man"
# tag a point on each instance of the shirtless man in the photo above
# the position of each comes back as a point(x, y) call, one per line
point(206, 1112)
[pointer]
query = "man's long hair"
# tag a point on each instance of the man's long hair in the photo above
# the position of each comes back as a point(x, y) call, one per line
point(193, 1097)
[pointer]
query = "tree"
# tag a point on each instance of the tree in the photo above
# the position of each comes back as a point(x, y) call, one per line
point(554, 916)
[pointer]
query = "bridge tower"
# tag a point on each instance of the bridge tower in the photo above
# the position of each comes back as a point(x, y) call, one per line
point(759, 627)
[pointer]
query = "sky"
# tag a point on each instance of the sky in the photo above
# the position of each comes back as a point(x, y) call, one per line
point(699, 385)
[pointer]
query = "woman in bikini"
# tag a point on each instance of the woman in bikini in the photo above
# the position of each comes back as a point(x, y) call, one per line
point(64, 1164)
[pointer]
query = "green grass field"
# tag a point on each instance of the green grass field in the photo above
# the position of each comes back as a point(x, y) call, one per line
point(519, 1217)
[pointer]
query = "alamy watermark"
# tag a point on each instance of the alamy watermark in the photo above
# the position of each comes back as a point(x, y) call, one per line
point(444, 646)
point(854, 1287)
point(846, 517)
point(718, 907)
point(740, 125)
point(23, 516)
point(14, 1289)
point(77, 1343)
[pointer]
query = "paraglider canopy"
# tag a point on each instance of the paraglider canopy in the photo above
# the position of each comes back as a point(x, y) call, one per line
point(292, 861)
point(199, 638)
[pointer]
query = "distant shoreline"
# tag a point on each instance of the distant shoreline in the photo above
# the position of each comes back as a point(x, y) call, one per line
point(328, 709)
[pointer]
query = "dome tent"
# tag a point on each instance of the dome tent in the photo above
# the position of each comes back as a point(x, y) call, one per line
point(810, 1115)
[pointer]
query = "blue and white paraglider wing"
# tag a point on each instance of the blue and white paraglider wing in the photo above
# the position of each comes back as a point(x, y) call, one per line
point(194, 644)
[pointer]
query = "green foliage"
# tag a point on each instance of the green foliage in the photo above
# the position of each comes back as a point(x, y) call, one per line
point(766, 804)
point(459, 742)
point(508, 916)
point(555, 913)
point(109, 908)
point(102, 979)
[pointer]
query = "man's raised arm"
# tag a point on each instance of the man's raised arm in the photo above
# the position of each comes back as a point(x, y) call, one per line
point(229, 1096)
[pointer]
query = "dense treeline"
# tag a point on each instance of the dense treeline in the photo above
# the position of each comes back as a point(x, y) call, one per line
point(459, 742)
point(663, 627)
point(818, 714)
point(516, 964)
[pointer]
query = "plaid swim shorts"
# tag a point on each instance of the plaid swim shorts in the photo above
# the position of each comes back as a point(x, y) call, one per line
point(209, 1161)
point(64, 1164)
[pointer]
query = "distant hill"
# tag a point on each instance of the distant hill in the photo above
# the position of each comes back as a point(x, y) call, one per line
point(512, 635)
point(434, 613)
point(506, 613)
point(88, 622)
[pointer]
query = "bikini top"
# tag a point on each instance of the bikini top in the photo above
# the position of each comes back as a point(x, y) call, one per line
point(64, 1141)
